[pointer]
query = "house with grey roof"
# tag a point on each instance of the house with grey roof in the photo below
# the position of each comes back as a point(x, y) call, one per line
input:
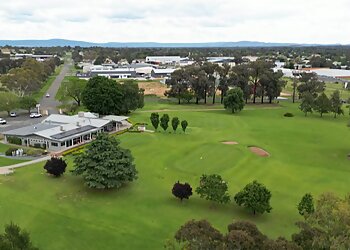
point(59, 132)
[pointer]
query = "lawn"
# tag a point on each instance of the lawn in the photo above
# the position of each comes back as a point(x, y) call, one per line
point(5, 161)
point(308, 154)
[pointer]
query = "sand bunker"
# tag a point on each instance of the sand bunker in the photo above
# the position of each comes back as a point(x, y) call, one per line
point(259, 151)
point(229, 142)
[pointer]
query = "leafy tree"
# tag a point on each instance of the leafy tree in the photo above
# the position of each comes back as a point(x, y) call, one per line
point(27, 103)
point(280, 243)
point(273, 85)
point(155, 120)
point(254, 196)
point(104, 164)
point(257, 70)
point(213, 188)
point(187, 96)
point(178, 84)
point(164, 122)
point(103, 96)
point(175, 123)
point(199, 235)
point(15, 238)
point(182, 191)
point(310, 84)
point(306, 205)
point(8, 102)
point(55, 166)
point(234, 100)
point(251, 229)
point(238, 239)
point(336, 104)
point(322, 104)
point(72, 88)
point(328, 227)
point(106, 96)
point(307, 103)
point(133, 96)
point(184, 125)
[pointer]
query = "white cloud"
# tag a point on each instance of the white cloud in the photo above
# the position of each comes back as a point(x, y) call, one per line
point(177, 20)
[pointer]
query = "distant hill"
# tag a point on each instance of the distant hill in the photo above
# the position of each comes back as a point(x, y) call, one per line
point(72, 43)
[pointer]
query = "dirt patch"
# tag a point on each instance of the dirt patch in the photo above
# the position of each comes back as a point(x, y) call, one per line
point(229, 142)
point(259, 151)
point(153, 88)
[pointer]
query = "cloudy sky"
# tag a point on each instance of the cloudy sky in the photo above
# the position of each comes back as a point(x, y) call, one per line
point(302, 21)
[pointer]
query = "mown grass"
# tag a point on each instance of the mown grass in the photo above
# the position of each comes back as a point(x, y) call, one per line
point(308, 154)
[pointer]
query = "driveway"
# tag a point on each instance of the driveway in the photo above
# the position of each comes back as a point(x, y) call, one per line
point(51, 103)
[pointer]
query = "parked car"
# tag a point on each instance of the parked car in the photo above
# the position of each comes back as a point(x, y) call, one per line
point(2, 121)
point(13, 114)
point(35, 115)
point(47, 95)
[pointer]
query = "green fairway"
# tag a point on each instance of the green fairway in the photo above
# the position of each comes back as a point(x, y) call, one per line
point(308, 154)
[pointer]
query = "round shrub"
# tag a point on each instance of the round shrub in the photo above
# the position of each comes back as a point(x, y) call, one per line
point(288, 115)
point(9, 151)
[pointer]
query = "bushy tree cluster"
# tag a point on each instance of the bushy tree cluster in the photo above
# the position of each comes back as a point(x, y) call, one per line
point(321, 104)
point(199, 81)
point(55, 166)
point(242, 235)
point(29, 76)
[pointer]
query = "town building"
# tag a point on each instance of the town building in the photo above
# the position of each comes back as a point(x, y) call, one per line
point(162, 73)
point(163, 59)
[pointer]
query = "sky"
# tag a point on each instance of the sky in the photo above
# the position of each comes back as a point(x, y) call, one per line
point(296, 21)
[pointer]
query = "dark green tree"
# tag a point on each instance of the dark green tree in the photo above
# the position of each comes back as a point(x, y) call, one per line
point(175, 123)
point(155, 120)
point(15, 238)
point(234, 100)
point(184, 125)
point(105, 96)
point(336, 104)
point(306, 205)
point(238, 239)
point(307, 103)
point(55, 166)
point(182, 191)
point(213, 188)
point(322, 104)
point(164, 122)
point(27, 103)
point(104, 164)
point(310, 84)
point(254, 196)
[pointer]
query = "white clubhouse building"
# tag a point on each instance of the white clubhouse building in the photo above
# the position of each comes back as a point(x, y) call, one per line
point(59, 132)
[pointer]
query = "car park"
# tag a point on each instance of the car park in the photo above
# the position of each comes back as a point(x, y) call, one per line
point(35, 115)
point(2, 121)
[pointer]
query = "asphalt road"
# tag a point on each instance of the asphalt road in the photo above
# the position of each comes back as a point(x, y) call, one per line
point(49, 104)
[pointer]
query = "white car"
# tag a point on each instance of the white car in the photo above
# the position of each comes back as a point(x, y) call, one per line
point(2, 121)
point(47, 95)
point(35, 115)
point(13, 114)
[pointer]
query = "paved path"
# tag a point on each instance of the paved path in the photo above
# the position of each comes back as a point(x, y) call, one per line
point(51, 103)
point(9, 169)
